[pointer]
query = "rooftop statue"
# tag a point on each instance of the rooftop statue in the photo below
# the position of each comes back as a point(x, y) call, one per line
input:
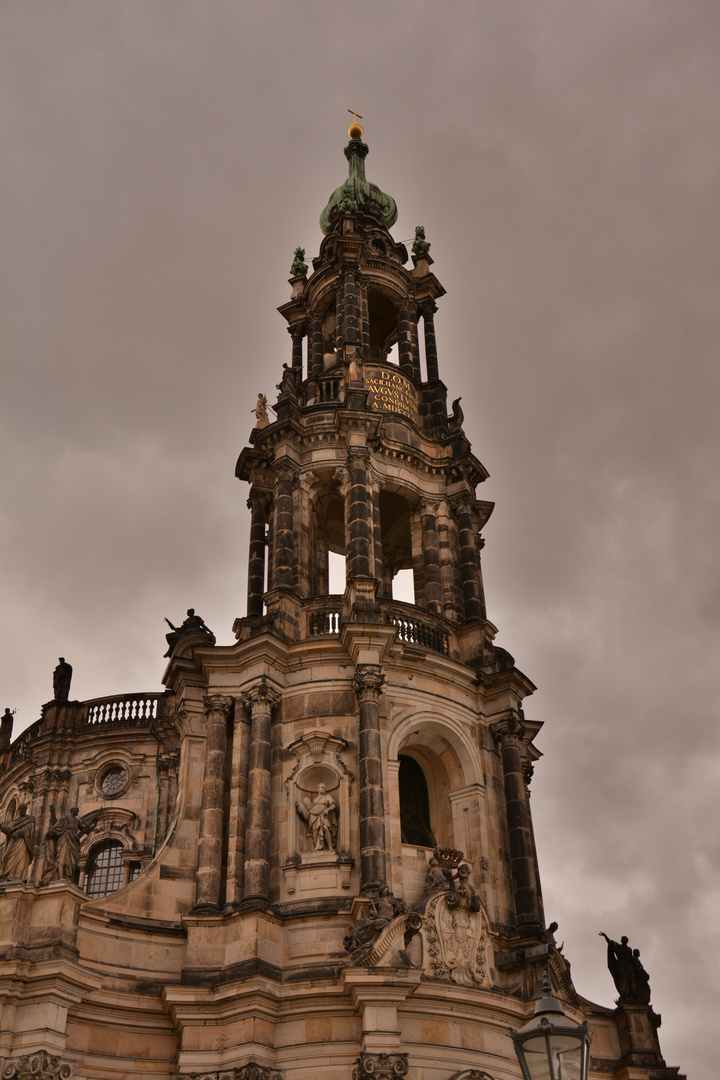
point(193, 624)
point(260, 410)
point(630, 977)
point(299, 266)
point(62, 676)
point(421, 246)
point(18, 851)
point(6, 726)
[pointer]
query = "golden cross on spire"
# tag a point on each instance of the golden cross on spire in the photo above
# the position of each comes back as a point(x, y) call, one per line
point(356, 115)
point(355, 131)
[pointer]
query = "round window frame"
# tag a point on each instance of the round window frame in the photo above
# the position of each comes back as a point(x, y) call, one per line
point(108, 768)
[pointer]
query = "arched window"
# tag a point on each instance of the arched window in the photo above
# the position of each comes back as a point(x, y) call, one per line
point(414, 804)
point(105, 870)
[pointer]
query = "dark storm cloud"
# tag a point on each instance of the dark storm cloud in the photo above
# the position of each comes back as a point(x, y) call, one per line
point(164, 159)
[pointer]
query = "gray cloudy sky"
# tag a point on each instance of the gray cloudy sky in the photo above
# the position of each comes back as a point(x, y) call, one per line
point(162, 160)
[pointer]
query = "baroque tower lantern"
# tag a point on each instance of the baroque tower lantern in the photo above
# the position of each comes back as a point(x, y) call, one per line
point(311, 857)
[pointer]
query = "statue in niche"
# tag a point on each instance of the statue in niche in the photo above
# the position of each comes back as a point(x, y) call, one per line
point(62, 844)
point(18, 851)
point(367, 929)
point(320, 815)
point(435, 879)
point(193, 624)
point(630, 977)
point(62, 676)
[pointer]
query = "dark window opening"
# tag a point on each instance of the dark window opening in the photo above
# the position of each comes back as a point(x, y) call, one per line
point(105, 869)
point(414, 805)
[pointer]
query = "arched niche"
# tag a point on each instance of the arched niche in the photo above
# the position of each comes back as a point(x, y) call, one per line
point(443, 748)
point(318, 860)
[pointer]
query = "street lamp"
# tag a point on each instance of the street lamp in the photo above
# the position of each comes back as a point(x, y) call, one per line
point(551, 1046)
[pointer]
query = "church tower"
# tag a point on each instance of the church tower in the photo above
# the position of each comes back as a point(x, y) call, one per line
point(312, 856)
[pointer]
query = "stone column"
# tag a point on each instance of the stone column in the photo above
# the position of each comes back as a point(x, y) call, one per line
point(315, 361)
point(359, 518)
point(283, 532)
point(509, 733)
point(431, 359)
point(259, 701)
point(468, 561)
point(258, 503)
point(367, 685)
point(408, 352)
point(297, 333)
point(207, 897)
point(431, 558)
point(351, 327)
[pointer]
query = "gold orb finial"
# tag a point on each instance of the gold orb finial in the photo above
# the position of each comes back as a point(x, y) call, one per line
point(355, 131)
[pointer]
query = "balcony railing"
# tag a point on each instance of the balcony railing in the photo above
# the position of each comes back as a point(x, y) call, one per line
point(413, 630)
point(324, 618)
point(122, 710)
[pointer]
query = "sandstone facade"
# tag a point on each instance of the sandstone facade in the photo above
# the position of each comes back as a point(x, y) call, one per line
point(252, 897)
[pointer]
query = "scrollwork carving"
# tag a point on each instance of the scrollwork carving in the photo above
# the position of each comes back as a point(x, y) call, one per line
point(42, 1066)
point(380, 1066)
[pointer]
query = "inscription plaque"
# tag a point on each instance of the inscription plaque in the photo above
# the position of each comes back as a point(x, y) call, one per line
point(391, 392)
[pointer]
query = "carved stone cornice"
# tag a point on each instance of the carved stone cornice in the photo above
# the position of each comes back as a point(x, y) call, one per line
point(508, 731)
point(380, 1066)
point(367, 682)
point(261, 694)
point(42, 1066)
point(251, 1071)
point(217, 707)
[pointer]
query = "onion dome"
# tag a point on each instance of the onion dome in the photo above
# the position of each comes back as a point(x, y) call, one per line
point(358, 195)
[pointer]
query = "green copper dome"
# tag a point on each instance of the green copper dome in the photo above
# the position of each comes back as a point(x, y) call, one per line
point(358, 195)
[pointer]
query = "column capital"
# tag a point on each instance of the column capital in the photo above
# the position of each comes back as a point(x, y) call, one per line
point(285, 469)
point(368, 681)
point(429, 506)
point(427, 307)
point(380, 1066)
point(259, 499)
point(358, 458)
point(463, 504)
point(217, 707)
point(297, 328)
point(508, 731)
point(260, 694)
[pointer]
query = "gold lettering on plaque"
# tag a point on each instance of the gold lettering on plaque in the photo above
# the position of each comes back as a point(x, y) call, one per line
point(393, 393)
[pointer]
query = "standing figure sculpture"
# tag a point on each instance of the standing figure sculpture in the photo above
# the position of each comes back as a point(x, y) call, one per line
point(629, 976)
point(18, 851)
point(260, 410)
point(62, 845)
point(6, 726)
point(61, 680)
point(320, 814)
